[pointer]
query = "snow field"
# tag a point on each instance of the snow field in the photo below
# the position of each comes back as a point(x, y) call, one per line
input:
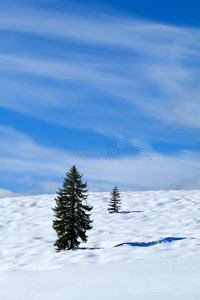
point(27, 236)
point(135, 254)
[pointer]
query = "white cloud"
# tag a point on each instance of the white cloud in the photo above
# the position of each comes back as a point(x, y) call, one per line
point(179, 88)
point(122, 32)
point(154, 67)
point(174, 98)
point(190, 184)
point(140, 143)
point(50, 187)
point(16, 145)
point(146, 170)
point(6, 193)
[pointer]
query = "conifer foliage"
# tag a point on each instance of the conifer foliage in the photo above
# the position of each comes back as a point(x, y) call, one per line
point(72, 218)
point(114, 203)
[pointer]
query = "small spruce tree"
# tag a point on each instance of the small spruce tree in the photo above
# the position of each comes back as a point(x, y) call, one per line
point(114, 203)
point(72, 219)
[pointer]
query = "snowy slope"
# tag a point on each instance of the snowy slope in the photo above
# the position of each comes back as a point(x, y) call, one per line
point(152, 247)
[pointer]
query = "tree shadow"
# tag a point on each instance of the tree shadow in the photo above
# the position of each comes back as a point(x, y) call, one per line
point(153, 243)
point(86, 248)
point(130, 211)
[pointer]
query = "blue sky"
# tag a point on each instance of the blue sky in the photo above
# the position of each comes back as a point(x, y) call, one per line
point(110, 86)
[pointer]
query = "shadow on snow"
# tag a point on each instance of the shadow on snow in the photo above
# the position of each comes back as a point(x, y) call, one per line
point(130, 211)
point(86, 248)
point(138, 244)
point(148, 244)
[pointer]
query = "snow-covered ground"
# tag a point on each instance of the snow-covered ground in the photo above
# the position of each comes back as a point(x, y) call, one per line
point(150, 250)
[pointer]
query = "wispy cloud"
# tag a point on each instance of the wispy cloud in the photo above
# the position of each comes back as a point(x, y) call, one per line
point(123, 78)
point(7, 193)
point(122, 32)
point(148, 65)
point(148, 171)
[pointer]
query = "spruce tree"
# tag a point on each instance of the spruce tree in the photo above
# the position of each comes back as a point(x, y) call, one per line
point(114, 203)
point(72, 219)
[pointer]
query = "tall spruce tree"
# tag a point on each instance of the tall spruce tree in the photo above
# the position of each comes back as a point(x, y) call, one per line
point(114, 203)
point(72, 219)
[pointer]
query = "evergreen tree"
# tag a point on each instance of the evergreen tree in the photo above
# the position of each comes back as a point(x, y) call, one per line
point(114, 203)
point(72, 219)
